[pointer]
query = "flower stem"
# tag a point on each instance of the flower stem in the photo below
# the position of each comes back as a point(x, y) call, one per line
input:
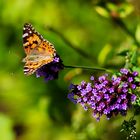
point(88, 68)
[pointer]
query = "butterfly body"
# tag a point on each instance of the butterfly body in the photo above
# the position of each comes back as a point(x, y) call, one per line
point(38, 50)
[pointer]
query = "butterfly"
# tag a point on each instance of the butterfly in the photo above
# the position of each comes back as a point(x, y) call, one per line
point(38, 50)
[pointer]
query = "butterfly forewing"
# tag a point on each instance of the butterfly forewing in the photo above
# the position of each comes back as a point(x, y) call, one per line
point(38, 50)
point(31, 38)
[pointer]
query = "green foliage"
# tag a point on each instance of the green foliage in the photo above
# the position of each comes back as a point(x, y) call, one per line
point(129, 128)
point(34, 110)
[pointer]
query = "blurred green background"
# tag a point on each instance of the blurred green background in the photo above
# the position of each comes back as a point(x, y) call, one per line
point(31, 109)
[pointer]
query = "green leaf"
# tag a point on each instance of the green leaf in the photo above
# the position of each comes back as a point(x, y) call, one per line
point(123, 53)
point(102, 11)
point(137, 34)
point(133, 59)
point(103, 53)
point(6, 132)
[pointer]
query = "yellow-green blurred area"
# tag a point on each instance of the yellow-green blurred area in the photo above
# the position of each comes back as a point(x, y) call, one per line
point(30, 108)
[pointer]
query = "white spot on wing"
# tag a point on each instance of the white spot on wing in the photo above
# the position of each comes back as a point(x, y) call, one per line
point(26, 70)
point(24, 35)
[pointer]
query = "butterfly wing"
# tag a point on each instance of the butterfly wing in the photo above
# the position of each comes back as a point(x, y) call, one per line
point(31, 38)
point(38, 50)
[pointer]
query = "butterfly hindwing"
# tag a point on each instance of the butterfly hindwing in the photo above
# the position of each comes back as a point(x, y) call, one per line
point(38, 50)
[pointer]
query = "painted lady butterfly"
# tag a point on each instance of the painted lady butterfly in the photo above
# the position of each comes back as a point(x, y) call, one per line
point(38, 50)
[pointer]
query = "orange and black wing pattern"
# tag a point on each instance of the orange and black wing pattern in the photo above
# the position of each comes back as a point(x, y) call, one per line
point(38, 50)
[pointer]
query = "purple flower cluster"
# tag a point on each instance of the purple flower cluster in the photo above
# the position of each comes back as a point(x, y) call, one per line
point(108, 96)
point(50, 71)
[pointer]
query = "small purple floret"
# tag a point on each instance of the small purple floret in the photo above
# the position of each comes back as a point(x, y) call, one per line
point(124, 71)
point(92, 78)
point(50, 71)
point(135, 73)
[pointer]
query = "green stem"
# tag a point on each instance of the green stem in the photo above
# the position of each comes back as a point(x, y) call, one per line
point(88, 68)
point(122, 25)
